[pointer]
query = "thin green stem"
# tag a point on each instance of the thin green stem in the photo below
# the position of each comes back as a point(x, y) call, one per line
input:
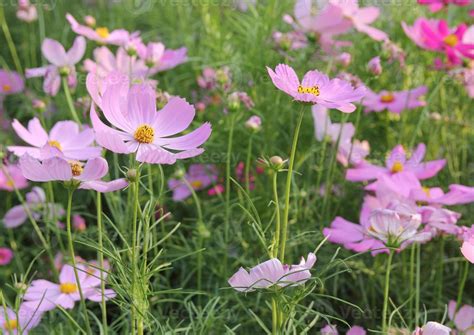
point(70, 103)
point(247, 164)
point(72, 255)
point(418, 278)
point(275, 322)
point(462, 284)
point(386, 292)
point(277, 215)
point(227, 186)
point(284, 230)
point(135, 298)
point(101, 261)
point(11, 44)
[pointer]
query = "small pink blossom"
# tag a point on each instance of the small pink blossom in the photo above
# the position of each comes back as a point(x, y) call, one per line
point(374, 66)
point(216, 190)
point(273, 272)
point(43, 295)
point(10, 83)
point(396, 101)
point(432, 328)
point(79, 223)
point(19, 322)
point(11, 178)
point(463, 318)
point(85, 176)
point(198, 177)
point(317, 88)
point(62, 64)
point(26, 11)
point(6, 256)
point(344, 59)
point(65, 136)
point(292, 40)
point(157, 58)
point(254, 123)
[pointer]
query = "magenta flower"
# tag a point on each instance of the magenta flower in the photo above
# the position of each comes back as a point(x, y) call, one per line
point(102, 35)
point(272, 272)
point(395, 102)
point(20, 322)
point(432, 328)
point(10, 83)
point(62, 64)
point(6, 256)
point(43, 295)
point(463, 318)
point(11, 178)
point(65, 136)
point(435, 35)
point(397, 162)
point(143, 130)
point(86, 177)
point(26, 11)
point(38, 207)
point(198, 177)
point(157, 58)
point(106, 63)
point(361, 18)
point(437, 5)
point(317, 88)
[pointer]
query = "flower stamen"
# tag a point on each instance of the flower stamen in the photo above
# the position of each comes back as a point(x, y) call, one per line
point(144, 134)
point(55, 144)
point(6, 88)
point(68, 288)
point(76, 169)
point(314, 90)
point(103, 32)
point(387, 98)
point(451, 40)
point(196, 184)
point(397, 167)
point(10, 324)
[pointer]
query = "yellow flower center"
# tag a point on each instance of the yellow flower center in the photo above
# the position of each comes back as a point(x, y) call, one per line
point(196, 184)
point(387, 98)
point(397, 167)
point(314, 90)
point(10, 325)
point(68, 288)
point(103, 32)
point(426, 190)
point(144, 134)
point(55, 144)
point(10, 183)
point(76, 169)
point(451, 40)
point(6, 88)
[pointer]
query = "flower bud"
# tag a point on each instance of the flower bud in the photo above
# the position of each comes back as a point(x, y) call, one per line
point(90, 21)
point(344, 59)
point(374, 66)
point(132, 175)
point(254, 123)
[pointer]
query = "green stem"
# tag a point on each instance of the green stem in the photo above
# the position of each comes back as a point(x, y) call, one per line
point(101, 261)
point(70, 103)
point(227, 187)
point(288, 186)
point(462, 284)
point(135, 298)
point(277, 214)
point(73, 260)
point(275, 323)
point(418, 278)
point(386, 293)
point(247, 165)
point(412, 279)
point(11, 44)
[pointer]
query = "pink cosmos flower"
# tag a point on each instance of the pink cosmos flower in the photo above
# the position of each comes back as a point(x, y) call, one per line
point(106, 63)
point(374, 66)
point(198, 177)
point(79, 223)
point(44, 295)
point(397, 162)
point(329, 330)
point(292, 40)
point(435, 35)
point(157, 58)
point(87, 177)
point(254, 123)
point(467, 248)
point(62, 64)
point(395, 102)
point(6, 256)
point(38, 207)
point(65, 136)
point(463, 318)
point(10, 83)
point(437, 5)
point(143, 130)
point(317, 88)
point(273, 272)
point(102, 35)
point(216, 190)
point(26, 11)
point(356, 330)
point(361, 18)
point(432, 328)
point(11, 178)
point(20, 322)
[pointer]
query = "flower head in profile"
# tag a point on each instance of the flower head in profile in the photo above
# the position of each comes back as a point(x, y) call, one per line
point(317, 88)
point(157, 58)
point(26, 11)
point(273, 272)
point(62, 64)
point(435, 35)
point(467, 248)
point(65, 136)
point(6, 256)
point(396, 101)
point(10, 83)
point(198, 177)
point(19, 322)
point(102, 35)
point(397, 161)
point(43, 295)
point(11, 178)
point(37, 206)
point(140, 129)
point(437, 5)
point(83, 176)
